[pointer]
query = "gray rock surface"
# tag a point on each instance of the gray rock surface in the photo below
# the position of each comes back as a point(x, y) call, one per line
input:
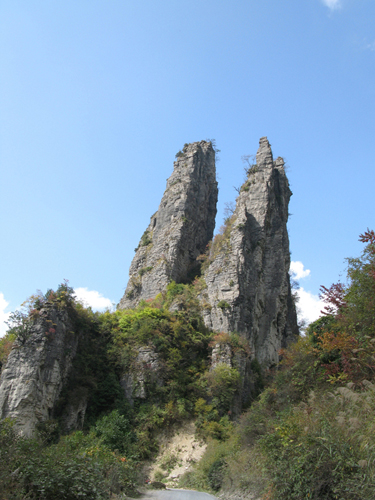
point(145, 369)
point(36, 371)
point(180, 230)
point(221, 353)
point(73, 416)
point(248, 284)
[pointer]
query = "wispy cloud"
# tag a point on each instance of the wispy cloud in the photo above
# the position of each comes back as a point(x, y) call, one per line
point(297, 270)
point(332, 4)
point(3, 315)
point(370, 46)
point(93, 299)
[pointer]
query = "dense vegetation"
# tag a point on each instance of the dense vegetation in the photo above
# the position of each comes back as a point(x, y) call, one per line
point(104, 456)
point(309, 435)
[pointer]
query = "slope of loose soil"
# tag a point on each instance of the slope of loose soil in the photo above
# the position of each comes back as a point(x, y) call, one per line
point(179, 449)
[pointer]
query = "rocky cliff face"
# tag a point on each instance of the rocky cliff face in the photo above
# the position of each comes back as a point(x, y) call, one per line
point(36, 371)
point(248, 286)
point(180, 230)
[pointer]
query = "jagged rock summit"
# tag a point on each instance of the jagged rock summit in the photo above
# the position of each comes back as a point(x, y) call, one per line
point(248, 284)
point(181, 228)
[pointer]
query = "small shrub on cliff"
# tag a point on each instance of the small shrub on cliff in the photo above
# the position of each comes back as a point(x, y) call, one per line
point(237, 343)
point(221, 241)
point(146, 239)
point(6, 344)
point(223, 304)
point(145, 270)
point(20, 326)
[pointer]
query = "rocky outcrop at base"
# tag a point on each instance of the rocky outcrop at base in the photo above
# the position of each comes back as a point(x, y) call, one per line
point(37, 370)
point(180, 230)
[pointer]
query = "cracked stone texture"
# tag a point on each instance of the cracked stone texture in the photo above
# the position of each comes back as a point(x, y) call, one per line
point(36, 371)
point(146, 368)
point(180, 230)
point(249, 271)
point(221, 353)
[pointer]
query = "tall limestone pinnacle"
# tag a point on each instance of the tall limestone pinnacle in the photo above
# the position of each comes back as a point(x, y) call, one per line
point(248, 284)
point(181, 228)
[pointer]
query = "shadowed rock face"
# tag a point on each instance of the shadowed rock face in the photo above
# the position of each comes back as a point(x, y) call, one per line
point(146, 368)
point(180, 230)
point(248, 285)
point(37, 370)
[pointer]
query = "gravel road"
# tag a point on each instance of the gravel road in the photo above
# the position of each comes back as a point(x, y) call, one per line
point(177, 495)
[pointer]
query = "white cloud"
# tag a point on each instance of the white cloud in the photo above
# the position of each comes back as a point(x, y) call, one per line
point(309, 306)
point(370, 46)
point(3, 315)
point(297, 270)
point(332, 4)
point(93, 299)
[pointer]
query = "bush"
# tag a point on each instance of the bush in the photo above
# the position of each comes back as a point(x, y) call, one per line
point(115, 431)
point(145, 270)
point(323, 448)
point(215, 474)
point(223, 304)
point(6, 344)
point(223, 383)
point(78, 467)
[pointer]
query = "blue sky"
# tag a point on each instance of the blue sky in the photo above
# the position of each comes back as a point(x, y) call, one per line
point(97, 96)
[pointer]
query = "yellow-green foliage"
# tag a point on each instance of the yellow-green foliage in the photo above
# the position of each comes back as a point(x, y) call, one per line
point(311, 433)
point(298, 443)
point(222, 385)
point(181, 342)
point(79, 466)
point(228, 465)
point(118, 435)
point(221, 240)
point(220, 243)
point(324, 447)
point(223, 382)
point(237, 343)
point(182, 349)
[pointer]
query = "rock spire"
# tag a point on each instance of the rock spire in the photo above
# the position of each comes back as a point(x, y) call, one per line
point(181, 228)
point(248, 284)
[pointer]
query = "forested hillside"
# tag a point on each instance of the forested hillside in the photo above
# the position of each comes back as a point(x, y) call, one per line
point(308, 434)
point(311, 432)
